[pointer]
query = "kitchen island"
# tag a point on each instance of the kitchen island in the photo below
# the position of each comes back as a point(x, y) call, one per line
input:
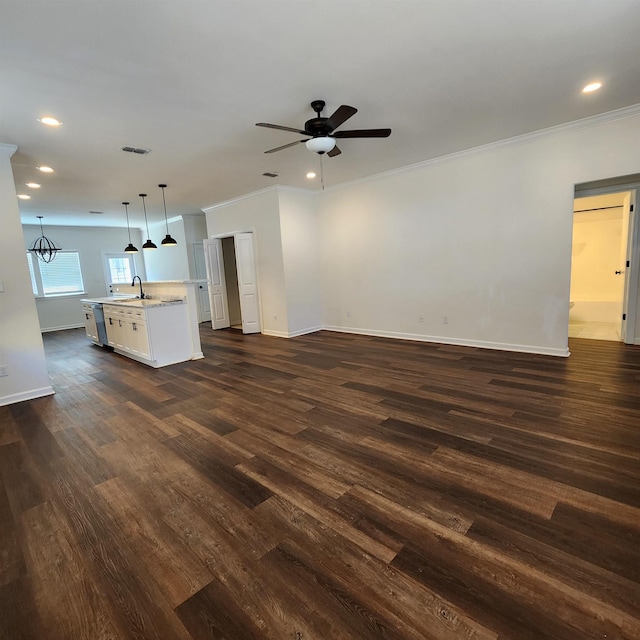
point(155, 332)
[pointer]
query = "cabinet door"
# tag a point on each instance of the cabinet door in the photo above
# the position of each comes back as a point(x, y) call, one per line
point(111, 323)
point(140, 339)
point(90, 325)
point(121, 333)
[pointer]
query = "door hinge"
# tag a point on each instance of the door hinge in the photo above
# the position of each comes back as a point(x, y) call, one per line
point(631, 208)
point(628, 265)
point(624, 316)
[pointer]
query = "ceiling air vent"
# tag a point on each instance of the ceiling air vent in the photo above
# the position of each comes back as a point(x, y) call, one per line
point(138, 150)
point(268, 174)
point(96, 213)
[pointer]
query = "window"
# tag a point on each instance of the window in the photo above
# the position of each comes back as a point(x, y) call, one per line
point(32, 273)
point(119, 268)
point(60, 277)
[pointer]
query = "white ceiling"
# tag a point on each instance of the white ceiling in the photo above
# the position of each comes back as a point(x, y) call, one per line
point(189, 79)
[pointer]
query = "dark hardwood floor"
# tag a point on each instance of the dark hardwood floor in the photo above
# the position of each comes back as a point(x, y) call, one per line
point(328, 486)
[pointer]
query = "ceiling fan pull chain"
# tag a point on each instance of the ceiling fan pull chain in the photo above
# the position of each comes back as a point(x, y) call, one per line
point(321, 172)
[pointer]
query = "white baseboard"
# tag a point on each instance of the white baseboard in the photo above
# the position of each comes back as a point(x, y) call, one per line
point(304, 332)
point(32, 394)
point(275, 334)
point(69, 326)
point(292, 334)
point(500, 346)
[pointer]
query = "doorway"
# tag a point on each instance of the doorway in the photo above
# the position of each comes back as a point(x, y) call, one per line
point(233, 285)
point(603, 266)
point(231, 282)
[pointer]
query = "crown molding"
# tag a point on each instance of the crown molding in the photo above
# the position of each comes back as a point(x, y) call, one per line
point(8, 149)
point(276, 188)
point(574, 125)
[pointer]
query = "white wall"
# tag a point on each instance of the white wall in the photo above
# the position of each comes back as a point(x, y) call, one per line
point(195, 227)
point(21, 348)
point(301, 256)
point(482, 238)
point(169, 262)
point(259, 213)
point(195, 230)
point(91, 243)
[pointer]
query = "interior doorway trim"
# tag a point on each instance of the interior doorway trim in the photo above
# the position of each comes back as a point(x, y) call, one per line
point(617, 185)
point(245, 279)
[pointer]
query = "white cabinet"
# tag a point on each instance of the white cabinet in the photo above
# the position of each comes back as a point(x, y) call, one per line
point(155, 334)
point(90, 325)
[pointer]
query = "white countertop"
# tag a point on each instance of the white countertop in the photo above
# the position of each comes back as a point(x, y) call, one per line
point(135, 302)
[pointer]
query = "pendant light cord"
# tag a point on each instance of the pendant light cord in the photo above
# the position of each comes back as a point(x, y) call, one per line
point(144, 206)
point(126, 210)
point(164, 204)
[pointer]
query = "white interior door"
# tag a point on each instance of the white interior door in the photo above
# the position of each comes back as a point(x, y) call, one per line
point(247, 283)
point(204, 304)
point(217, 285)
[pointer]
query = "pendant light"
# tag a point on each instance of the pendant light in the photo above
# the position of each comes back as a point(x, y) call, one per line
point(148, 244)
point(129, 248)
point(168, 240)
point(45, 249)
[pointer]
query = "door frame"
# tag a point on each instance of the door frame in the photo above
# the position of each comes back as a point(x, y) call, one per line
point(632, 271)
point(233, 234)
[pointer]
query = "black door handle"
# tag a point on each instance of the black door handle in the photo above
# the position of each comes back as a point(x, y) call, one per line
point(618, 273)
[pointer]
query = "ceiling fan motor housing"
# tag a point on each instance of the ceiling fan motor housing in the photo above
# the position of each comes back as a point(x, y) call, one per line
point(317, 127)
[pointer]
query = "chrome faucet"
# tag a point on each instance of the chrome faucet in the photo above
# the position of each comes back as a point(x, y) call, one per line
point(142, 296)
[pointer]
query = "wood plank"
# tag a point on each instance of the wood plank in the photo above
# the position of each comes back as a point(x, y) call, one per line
point(328, 485)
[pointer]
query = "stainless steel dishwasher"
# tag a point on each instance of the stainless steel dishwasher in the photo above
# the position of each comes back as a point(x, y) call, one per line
point(98, 314)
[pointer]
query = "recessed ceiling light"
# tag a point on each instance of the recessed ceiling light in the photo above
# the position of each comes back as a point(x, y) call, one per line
point(311, 174)
point(33, 185)
point(593, 86)
point(45, 169)
point(24, 196)
point(49, 121)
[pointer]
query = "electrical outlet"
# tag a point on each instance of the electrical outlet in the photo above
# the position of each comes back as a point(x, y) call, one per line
point(421, 319)
point(445, 319)
point(3, 370)
point(348, 314)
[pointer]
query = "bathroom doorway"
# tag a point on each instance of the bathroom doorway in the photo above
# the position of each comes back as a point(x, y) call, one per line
point(599, 266)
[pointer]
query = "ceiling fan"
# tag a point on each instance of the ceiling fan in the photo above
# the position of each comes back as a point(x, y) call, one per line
point(323, 130)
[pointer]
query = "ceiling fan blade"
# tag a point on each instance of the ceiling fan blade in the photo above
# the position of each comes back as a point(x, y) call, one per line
point(284, 146)
point(340, 115)
point(334, 152)
point(281, 128)
point(363, 133)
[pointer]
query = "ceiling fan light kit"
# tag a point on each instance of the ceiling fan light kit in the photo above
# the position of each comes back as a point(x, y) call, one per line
point(321, 144)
